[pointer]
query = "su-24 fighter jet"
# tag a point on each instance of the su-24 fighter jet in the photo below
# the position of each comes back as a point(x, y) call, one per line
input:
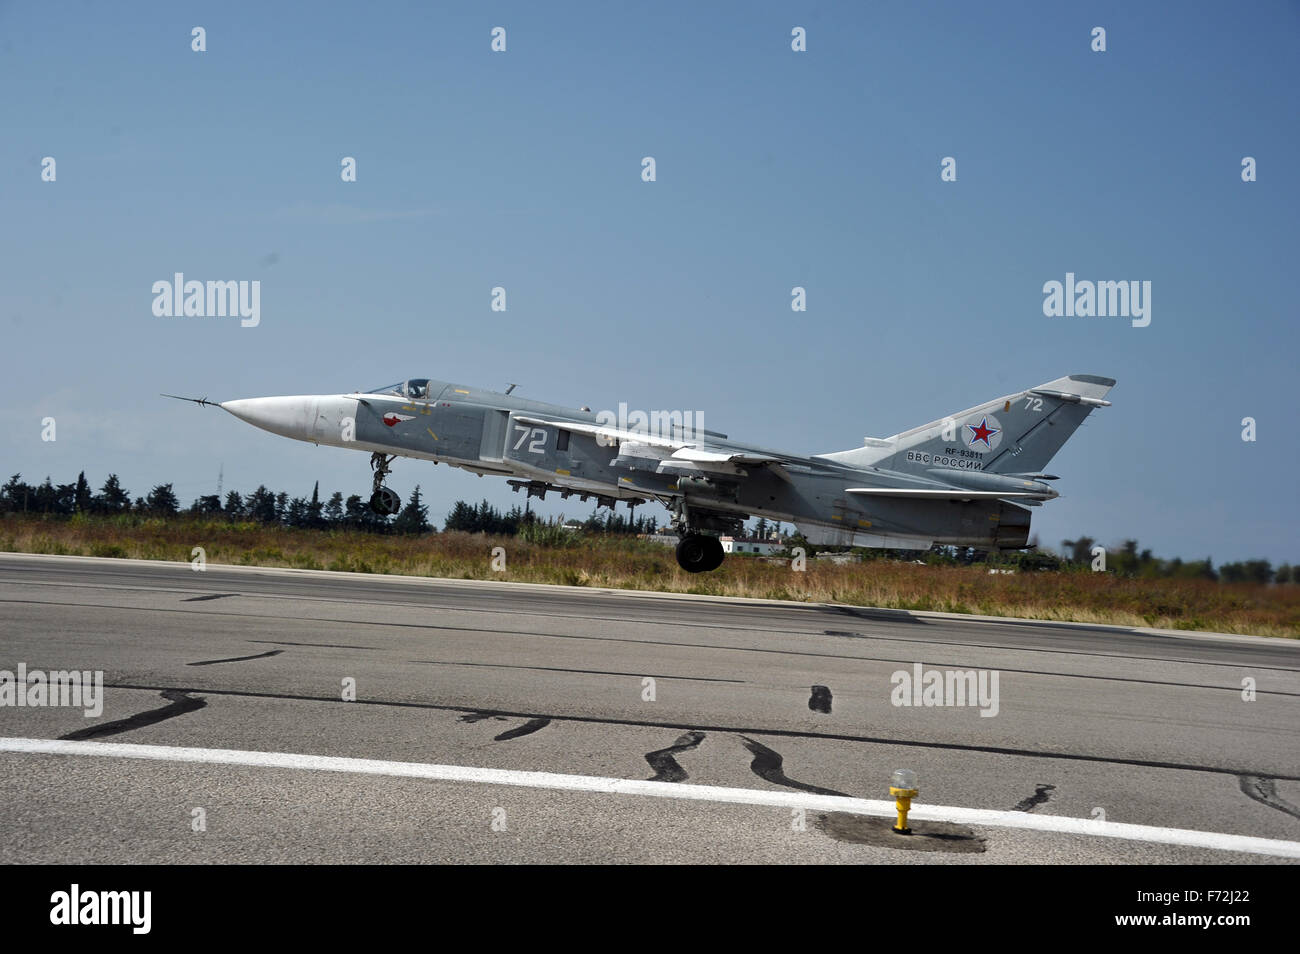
point(964, 480)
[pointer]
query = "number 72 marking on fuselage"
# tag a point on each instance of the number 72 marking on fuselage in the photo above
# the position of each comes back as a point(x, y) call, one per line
point(535, 445)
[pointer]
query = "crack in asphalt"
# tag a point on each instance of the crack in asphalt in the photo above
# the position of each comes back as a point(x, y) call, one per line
point(179, 702)
point(758, 730)
point(213, 662)
point(667, 768)
point(528, 728)
point(1264, 790)
point(583, 672)
point(472, 717)
point(285, 642)
point(1042, 792)
point(767, 766)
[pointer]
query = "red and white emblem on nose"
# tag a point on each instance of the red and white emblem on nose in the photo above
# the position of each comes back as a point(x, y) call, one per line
point(392, 418)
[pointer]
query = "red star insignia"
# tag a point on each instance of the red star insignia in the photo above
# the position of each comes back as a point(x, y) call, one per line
point(982, 433)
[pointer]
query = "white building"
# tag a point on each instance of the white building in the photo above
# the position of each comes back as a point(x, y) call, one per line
point(751, 545)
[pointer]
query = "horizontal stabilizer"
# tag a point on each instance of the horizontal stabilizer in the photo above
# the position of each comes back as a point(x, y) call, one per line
point(1069, 397)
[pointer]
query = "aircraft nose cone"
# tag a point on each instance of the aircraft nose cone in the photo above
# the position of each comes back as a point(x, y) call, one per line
point(287, 416)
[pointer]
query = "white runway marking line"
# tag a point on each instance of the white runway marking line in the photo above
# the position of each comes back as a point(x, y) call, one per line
point(621, 786)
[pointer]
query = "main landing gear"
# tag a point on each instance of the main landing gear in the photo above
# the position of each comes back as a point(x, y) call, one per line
point(698, 553)
point(698, 550)
point(383, 500)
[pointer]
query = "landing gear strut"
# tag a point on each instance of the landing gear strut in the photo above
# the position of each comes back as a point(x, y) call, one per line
point(698, 553)
point(383, 500)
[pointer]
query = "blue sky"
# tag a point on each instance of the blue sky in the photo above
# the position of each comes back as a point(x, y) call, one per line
point(775, 169)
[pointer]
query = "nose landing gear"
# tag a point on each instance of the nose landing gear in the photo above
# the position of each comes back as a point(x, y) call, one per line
point(383, 500)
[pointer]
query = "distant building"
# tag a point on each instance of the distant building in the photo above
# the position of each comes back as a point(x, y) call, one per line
point(751, 545)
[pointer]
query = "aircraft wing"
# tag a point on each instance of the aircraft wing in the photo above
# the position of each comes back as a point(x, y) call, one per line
point(703, 457)
point(940, 494)
point(688, 452)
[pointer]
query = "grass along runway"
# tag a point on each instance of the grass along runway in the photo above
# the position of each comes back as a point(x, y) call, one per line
point(622, 562)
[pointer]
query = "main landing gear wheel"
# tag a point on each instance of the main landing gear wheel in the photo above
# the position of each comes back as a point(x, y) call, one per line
point(697, 553)
point(385, 501)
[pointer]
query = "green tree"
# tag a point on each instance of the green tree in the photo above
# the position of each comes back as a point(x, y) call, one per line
point(295, 514)
point(83, 496)
point(260, 505)
point(162, 501)
point(46, 498)
point(355, 511)
point(1247, 571)
point(65, 499)
point(460, 517)
point(15, 495)
point(333, 513)
point(315, 515)
point(112, 497)
point(414, 517)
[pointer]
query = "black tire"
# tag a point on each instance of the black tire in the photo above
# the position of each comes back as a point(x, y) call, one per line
point(385, 502)
point(694, 553)
point(716, 554)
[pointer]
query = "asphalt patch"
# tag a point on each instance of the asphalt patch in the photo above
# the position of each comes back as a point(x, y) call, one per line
point(879, 833)
point(667, 768)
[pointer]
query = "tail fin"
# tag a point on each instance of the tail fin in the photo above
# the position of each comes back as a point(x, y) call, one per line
point(1015, 434)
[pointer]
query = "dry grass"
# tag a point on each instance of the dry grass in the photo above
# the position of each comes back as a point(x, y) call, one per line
point(623, 563)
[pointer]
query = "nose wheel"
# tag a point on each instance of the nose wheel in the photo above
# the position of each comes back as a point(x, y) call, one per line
point(383, 500)
point(699, 553)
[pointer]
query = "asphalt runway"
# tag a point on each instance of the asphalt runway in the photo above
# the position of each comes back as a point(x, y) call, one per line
point(671, 728)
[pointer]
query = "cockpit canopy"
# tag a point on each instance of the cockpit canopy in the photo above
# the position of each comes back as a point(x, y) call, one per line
point(416, 389)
